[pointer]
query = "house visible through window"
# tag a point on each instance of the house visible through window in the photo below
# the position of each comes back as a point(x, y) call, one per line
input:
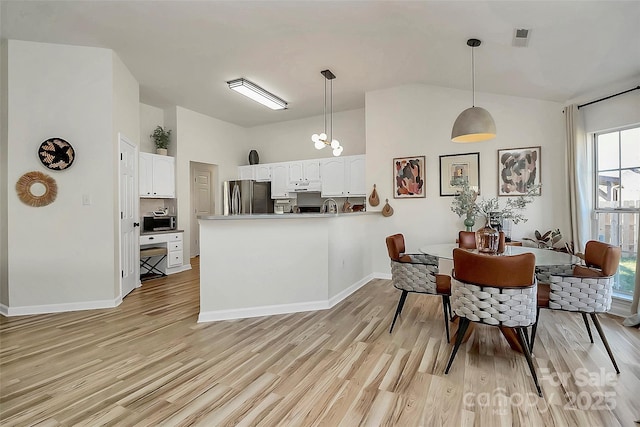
point(617, 210)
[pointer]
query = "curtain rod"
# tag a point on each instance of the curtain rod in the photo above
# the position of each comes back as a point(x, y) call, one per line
point(608, 97)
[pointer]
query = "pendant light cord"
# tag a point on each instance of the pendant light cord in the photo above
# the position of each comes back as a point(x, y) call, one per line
point(325, 106)
point(331, 114)
point(473, 77)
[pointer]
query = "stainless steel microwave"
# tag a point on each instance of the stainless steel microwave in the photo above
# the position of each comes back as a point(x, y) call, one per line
point(158, 223)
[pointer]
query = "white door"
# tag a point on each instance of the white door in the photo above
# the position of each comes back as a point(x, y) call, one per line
point(129, 252)
point(201, 200)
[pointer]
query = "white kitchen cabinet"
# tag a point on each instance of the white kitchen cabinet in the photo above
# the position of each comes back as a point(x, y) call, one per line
point(333, 183)
point(156, 176)
point(262, 172)
point(246, 172)
point(354, 175)
point(306, 170)
point(279, 180)
point(343, 176)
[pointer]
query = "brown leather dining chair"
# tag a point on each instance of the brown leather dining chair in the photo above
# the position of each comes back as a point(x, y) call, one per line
point(494, 290)
point(586, 291)
point(467, 240)
point(417, 273)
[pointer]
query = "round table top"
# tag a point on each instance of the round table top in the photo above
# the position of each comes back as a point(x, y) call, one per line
point(544, 257)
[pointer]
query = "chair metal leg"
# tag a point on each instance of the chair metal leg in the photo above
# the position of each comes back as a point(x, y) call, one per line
point(604, 340)
point(403, 297)
point(586, 323)
point(527, 355)
point(445, 303)
point(534, 329)
point(462, 330)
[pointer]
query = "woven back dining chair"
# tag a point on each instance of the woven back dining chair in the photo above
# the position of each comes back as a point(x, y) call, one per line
point(497, 291)
point(417, 273)
point(586, 290)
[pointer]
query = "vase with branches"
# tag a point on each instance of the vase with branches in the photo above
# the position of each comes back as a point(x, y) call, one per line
point(464, 202)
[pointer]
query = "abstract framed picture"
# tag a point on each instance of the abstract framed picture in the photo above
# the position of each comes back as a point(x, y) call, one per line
point(518, 170)
point(457, 168)
point(408, 177)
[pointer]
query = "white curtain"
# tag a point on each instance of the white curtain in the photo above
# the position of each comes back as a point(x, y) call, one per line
point(634, 319)
point(580, 177)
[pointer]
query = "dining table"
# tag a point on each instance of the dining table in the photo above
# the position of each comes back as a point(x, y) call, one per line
point(546, 260)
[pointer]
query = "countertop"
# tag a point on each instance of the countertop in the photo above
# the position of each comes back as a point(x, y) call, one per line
point(151, 233)
point(285, 216)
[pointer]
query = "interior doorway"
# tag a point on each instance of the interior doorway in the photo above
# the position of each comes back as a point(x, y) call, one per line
point(204, 178)
point(128, 195)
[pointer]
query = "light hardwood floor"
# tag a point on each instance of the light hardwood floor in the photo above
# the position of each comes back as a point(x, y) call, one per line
point(149, 363)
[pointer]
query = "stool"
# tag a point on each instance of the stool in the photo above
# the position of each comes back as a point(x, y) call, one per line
point(152, 270)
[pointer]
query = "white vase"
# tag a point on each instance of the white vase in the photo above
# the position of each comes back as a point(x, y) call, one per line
point(161, 151)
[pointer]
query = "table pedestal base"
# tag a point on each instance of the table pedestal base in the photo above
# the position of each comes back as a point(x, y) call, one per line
point(509, 333)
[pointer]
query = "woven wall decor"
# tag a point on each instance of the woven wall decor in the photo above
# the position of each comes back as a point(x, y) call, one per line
point(25, 184)
point(56, 154)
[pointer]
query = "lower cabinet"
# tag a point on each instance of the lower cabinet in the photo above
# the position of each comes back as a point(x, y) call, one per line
point(173, 242)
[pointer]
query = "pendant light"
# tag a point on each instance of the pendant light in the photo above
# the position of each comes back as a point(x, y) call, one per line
point(321, 140)
point(473, 124)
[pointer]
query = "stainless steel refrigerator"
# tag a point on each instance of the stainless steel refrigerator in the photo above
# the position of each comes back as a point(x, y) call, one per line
point(247, 197)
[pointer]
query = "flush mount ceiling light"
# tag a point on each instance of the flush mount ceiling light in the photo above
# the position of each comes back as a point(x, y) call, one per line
point(321, 140)
point(473, 124)
point(255, 92)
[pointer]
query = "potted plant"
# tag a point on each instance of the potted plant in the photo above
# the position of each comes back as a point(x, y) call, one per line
point(464, 203)
point(161, 138)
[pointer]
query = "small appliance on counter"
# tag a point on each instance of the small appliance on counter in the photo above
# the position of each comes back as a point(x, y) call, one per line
point(283, 206)
point(247, 197)
point(158, 223)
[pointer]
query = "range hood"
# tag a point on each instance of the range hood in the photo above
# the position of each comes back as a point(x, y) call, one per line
point(306, 186)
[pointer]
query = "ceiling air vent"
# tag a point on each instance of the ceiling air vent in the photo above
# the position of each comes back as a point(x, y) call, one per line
point(521, 37)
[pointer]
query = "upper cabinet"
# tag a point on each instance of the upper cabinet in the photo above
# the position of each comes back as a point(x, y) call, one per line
point(333, 184)
point(246, 172)
point(304, 170)
point(343, 176)
point(157, 176)
point(262, 172)
point(279, 180)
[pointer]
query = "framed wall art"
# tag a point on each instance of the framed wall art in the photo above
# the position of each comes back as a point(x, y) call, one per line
point(456, 168)
point(518, 170)
point(408, 177)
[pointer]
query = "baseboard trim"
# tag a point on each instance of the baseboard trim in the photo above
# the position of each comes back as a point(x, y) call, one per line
point(59, 308)
point(174, 270)
point(385, 276)
point(265, 310)
point(271, 310)
point(620, 307)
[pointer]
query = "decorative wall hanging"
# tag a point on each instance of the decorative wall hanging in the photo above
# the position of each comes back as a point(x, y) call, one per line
point(374, 200)
point(387, 210)
point(518, 171)
point(456, 169)
point(56, 154)
point(36, 189)
point(408, 177)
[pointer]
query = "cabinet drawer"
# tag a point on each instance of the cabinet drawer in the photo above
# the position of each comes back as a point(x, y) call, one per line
point(155, 238)
point(174, 259)
point(175, 246)
point(175, 237)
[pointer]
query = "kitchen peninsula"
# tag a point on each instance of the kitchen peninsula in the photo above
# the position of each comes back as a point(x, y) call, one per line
point(258, 265)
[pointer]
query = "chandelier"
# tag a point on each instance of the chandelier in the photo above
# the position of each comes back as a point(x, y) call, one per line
point(321, 140)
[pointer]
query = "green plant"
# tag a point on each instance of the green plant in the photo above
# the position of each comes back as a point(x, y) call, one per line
point(464, 202)
point(546, 240)
point(161, 137)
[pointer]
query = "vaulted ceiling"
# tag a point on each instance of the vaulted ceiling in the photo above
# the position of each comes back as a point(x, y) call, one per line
point(183, 52)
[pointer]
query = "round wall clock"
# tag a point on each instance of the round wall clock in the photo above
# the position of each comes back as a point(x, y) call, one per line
point(56, 154)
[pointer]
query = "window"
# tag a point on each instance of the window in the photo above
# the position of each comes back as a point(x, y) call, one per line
point(617, 210)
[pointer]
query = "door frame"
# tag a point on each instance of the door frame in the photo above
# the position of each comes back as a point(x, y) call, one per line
point(213, 170)
point(136, 208)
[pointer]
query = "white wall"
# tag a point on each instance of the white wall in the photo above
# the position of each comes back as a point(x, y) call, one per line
point(126, 121)
point(291, 140)
point(150, 117)
point(203, 139)
point(62, 253)
point(4, 277)
point(417, 120)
